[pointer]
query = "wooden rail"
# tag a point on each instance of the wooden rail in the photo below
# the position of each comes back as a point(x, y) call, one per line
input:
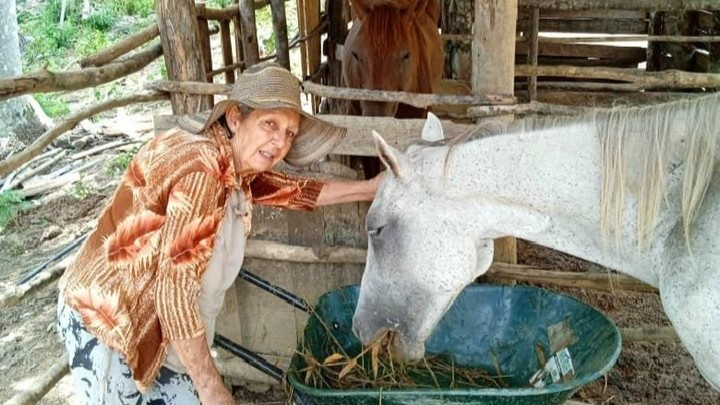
point(651, 5)
point(414, 99)
point(260, 249)
point(664, 79)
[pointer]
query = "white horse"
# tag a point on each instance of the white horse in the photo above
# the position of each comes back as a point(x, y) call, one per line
point(628, 188)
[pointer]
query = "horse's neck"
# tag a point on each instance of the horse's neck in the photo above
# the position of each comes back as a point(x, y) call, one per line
point(554, 173)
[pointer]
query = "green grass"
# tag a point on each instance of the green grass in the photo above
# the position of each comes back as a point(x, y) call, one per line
point(11, 202)
point(266, 36)
point(56, 47)
point(265, 33)
point(140, 8)
point(52, 45)
point(219, 3)
point(52, 104)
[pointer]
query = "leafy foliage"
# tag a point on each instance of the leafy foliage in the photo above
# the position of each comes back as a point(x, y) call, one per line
point(80, 190)
point(119, 164)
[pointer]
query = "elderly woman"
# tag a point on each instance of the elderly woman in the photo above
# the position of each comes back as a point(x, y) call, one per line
point(137, 308)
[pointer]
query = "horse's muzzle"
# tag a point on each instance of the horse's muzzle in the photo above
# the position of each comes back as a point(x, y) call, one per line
point(370, 328)
point(378, 109)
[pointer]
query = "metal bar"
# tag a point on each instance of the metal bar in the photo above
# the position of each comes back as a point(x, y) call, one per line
point(59, 255)
point(279, 292)
point(259, 363)
point(249, 357)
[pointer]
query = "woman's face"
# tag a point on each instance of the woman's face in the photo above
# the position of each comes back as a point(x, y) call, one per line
point(261, 139)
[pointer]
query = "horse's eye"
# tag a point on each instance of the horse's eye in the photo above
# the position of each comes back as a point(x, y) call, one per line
point(406, 56)
point(355, 55)
point(374, 233)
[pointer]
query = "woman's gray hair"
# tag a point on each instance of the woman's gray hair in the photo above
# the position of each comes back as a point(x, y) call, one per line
point(245, 112)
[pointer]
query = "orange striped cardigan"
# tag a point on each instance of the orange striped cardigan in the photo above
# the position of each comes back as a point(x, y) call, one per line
point(136, 279)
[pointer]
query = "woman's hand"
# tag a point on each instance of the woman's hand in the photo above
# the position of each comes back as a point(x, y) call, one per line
point(339, 191)
point(374, 184)
point(195, 355)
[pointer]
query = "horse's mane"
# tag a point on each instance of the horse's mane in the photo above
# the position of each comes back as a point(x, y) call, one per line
point(651, 127)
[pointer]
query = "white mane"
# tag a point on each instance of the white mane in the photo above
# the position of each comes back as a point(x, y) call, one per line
point(693, 123)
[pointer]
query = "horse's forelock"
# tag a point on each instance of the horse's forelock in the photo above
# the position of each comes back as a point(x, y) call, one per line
point(388, 26)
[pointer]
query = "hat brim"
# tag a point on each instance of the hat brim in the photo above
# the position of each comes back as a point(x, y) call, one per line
point(315, 139)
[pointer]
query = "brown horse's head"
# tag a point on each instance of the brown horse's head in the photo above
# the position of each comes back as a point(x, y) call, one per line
point(395, 46)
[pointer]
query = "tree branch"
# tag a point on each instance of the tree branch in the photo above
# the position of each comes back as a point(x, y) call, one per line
point(121, 48)
point(46, 138)
point(44, 81)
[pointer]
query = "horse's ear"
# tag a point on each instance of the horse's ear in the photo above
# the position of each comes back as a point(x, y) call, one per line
point(391, 158)
point(432, 130)
point(360, 8)
point(434, 10)
point(430, 7)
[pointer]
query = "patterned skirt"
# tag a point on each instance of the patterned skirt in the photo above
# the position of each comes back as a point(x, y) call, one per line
point(101, 375)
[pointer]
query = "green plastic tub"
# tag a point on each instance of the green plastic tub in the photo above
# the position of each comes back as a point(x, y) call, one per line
point(488, 326)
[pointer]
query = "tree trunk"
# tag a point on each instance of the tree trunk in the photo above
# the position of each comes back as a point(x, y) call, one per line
point(18, 124)
point(180, 41)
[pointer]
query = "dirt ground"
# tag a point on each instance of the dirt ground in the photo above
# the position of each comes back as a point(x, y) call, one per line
point(647, 373)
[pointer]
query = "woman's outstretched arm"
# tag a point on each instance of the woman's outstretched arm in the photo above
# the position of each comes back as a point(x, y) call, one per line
point(344, 191)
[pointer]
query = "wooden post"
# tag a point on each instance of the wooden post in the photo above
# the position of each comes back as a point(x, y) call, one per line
point(279, 22)
point(205, 47)
point(227, 50)
point(303, 30)
point(533, 52)
point(493, 57)
point(180, 41)
point(249, 33)
point(238, 39)
point(239, 55)
point(338, 16)
point(309, 18)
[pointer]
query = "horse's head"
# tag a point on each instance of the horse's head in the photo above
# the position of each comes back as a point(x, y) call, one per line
point(423, 248)
point(386, 49)
point(420, 256)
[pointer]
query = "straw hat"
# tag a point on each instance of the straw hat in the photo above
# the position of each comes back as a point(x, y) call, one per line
point(267, 87)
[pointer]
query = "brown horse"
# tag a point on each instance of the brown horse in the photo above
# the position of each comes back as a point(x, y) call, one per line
point(393, 45)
